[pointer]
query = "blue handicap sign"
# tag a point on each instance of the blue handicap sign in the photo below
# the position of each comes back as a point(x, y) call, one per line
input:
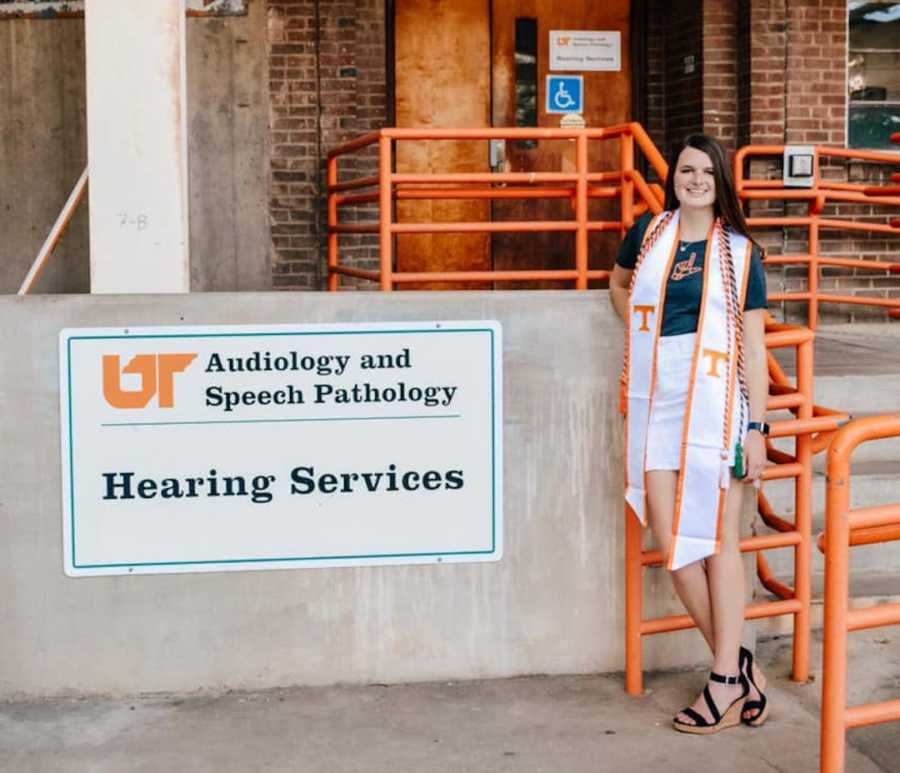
point(565, 94)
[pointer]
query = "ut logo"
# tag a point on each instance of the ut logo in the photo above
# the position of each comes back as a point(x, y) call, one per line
point(714, 359)
point(157, 372)
point(565, 41)
point(645, 312)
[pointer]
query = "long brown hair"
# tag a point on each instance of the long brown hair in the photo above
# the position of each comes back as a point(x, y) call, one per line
point(726, 205)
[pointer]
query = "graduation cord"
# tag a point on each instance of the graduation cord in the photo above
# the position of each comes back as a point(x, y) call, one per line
point(734, 331)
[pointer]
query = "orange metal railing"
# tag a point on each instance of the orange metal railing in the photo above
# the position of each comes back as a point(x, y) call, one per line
point(580, 186)
point(634, 195)
point(812, 426)
point(823, 192)
point(627, 185)
point(891, 190)
point(843, 528)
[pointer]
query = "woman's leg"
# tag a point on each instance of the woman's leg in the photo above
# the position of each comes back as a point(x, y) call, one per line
point(726, 585)
point(727, 589)
point(714, 595)
point(725, 571)
point(690, 582)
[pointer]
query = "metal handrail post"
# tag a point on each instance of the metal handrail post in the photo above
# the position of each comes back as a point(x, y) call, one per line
point(813, 267)
point(634, 669)
point(626, 162)
point(803, 517)
point(834, 658)
point(581, 211)
point(385, 213)
point(332, 240)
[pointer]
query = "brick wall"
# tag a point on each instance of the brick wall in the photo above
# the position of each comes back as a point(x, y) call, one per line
point(768, 72)
point(294, 136)
point(655, 92)
point(683, 70)
point(763, 71)
point(327, 85)
point(798, 96)
point(691, 71)
point(720, 106)
point(742, 72)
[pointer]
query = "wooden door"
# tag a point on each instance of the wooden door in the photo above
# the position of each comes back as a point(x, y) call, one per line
point(455, 67)
point(607, 101)
point(443, 80)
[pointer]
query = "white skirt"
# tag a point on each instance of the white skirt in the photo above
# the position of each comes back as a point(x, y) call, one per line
point(673, 377)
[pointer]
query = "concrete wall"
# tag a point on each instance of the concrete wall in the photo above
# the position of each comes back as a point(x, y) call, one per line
point(43, 150)
point(552, 605)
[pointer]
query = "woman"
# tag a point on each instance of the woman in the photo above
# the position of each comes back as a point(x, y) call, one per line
point(690, 287)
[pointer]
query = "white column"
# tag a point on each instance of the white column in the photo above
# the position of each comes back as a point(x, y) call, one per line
point(137, 146)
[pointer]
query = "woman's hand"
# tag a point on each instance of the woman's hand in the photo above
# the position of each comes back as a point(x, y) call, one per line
point(755, 456)
point(619, 283)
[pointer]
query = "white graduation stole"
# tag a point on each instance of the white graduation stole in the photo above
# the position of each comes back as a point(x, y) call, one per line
point(703, 476)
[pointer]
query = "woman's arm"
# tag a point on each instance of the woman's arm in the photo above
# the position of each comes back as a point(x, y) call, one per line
point(619, 282)
point(758, 387)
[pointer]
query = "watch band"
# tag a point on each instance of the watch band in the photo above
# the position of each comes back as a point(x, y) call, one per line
point(759, 426)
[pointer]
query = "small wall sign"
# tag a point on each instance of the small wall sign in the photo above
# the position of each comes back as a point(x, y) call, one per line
point(592, 51)
point(565, 94)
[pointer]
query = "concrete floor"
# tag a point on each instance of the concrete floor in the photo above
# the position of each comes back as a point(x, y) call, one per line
point(573, 724)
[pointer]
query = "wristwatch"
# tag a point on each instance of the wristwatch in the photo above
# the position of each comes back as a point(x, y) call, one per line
point(759, 426)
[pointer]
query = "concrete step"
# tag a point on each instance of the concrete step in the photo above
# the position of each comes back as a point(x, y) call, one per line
point(873, 483)
point(857, 367)
point(857, 370)
point(864, 559)
point(885, 451)
point(859, 393)
point(871, 589)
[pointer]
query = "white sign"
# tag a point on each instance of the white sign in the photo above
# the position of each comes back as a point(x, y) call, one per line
point(195, 449)
point(586, 50)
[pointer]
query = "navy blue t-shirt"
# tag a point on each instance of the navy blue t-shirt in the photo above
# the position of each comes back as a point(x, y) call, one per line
point(684, 289)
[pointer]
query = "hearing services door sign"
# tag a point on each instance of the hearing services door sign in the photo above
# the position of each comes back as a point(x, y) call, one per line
point(586, 50)
point(192, 449)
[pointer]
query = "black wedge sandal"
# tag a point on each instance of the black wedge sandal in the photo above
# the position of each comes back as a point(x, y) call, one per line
point(731, 717)
point(754, 676)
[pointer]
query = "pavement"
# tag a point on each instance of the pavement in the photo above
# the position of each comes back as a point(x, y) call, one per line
point(524, 725)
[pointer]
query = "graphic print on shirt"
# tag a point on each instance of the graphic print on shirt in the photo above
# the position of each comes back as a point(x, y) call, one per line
point(685, 268)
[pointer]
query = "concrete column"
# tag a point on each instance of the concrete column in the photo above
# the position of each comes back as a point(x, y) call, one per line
point(137, 146)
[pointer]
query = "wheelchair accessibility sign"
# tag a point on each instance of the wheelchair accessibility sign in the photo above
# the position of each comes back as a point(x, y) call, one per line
point(565, 94)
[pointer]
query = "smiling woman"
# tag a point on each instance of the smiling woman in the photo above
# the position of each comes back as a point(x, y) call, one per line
point(690, 286)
